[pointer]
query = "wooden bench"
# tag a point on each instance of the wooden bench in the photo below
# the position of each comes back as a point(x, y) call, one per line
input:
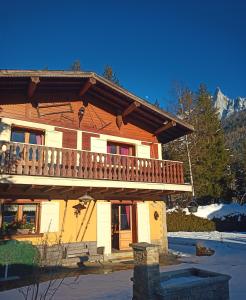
point(75, 251)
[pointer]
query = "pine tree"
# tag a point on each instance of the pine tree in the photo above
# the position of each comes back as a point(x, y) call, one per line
point(239, 170)
point(209, 155)
point(209, 158)
point(157, 103)
point(109, 74)
point(76, 66)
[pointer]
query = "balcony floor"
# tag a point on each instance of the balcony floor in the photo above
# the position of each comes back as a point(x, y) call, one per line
point(41, 187)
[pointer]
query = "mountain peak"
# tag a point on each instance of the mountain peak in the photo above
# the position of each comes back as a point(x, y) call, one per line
point(227, 106)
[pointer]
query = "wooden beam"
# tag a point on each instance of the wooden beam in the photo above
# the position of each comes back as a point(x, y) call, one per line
point(48, 188)
point(115, 191)
point(101, 190)
point(113, 105)
point(120, 116)
point(165, 127)
point(91, 81)
point(33, 84)
point(134, 105)
point(110, 95)
point(8, 187)
point(28, 188)
point(131, 192)
point(119, 120)
point(94, 95)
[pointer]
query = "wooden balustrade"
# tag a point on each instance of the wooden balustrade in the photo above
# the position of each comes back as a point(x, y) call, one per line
point(26, 159)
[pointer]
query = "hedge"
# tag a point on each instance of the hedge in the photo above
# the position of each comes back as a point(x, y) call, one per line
point(231, 223)
point(15, 252)
point(179, 221)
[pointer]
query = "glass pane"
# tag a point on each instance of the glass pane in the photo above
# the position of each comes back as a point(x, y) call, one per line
point(115, 218)
point(35, 138)
point(125, 217)
point(10, 213)
point(18, 136)
point(29, 213)
point(124, 150)
point(111, 148)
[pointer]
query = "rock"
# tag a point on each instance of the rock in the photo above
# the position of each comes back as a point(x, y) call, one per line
point(202, 250)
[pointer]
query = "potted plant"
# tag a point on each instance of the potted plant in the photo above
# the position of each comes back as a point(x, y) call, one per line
point(25, 228)
point(9, 228)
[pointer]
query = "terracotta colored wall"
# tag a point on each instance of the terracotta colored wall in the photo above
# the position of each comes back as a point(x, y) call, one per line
point(97, 118)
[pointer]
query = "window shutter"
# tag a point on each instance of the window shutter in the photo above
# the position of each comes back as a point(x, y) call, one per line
point(53, 138)
point(69, 138)
point(86, 140)
point(49, 221)
point(98, 145)
point(143, 151)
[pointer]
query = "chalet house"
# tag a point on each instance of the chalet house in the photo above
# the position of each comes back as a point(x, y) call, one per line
point(81, 161)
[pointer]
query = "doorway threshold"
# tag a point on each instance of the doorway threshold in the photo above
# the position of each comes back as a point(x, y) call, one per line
point(120, 255)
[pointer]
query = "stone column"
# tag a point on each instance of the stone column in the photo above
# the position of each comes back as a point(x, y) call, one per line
point(146, 276)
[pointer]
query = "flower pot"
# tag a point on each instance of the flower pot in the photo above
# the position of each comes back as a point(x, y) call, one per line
point(23, 230)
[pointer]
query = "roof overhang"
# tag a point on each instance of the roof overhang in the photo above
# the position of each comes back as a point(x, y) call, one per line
point(41, 187)
point(25, 86)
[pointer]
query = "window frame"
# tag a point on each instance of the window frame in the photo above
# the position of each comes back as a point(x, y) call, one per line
point(27, 131)
point(132, 147)
point(20, 205)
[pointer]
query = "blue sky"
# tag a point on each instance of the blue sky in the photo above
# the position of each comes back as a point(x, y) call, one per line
point(150, 44)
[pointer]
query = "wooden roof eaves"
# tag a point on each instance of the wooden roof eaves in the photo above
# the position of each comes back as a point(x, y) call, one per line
point(78, 74)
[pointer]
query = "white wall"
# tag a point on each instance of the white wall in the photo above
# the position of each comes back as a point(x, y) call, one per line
point(143, 222)
point(49, 221)
point(104, 226)
point(54, 138)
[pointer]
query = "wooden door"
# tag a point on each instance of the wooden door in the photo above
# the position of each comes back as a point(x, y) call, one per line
point(122, 226)
point(125, 234)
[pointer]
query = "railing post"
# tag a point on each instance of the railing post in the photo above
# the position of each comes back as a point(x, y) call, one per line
point(52, 159)
point(80, 172)
point(109, 162)
point(58, 158)
point(26, 159)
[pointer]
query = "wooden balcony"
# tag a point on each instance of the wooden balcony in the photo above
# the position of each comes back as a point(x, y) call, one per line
point(33, 160)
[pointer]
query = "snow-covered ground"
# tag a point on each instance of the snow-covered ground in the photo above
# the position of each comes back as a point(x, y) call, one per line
point(229, 258)
point(217, 210)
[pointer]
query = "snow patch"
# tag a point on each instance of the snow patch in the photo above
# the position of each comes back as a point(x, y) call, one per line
point(219, 211)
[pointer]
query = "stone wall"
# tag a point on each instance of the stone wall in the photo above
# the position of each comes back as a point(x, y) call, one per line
point(55, 255)
point(186, 284)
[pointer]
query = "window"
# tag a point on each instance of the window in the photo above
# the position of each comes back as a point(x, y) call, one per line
point(125, 217)
point(28, 136)
point(20, 218)
point(120, 149)
point(25, 135)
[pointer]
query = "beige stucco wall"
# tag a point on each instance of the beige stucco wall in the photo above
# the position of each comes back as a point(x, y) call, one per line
point(72, 227)
point(158, 228)
point(82, 227)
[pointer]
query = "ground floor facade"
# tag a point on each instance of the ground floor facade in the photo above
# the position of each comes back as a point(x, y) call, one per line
point(109, 225)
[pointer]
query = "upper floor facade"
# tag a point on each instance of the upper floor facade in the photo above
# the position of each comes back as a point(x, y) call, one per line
point(78, 130)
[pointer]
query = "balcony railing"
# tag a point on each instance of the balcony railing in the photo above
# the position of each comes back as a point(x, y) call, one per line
point(34, 160)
